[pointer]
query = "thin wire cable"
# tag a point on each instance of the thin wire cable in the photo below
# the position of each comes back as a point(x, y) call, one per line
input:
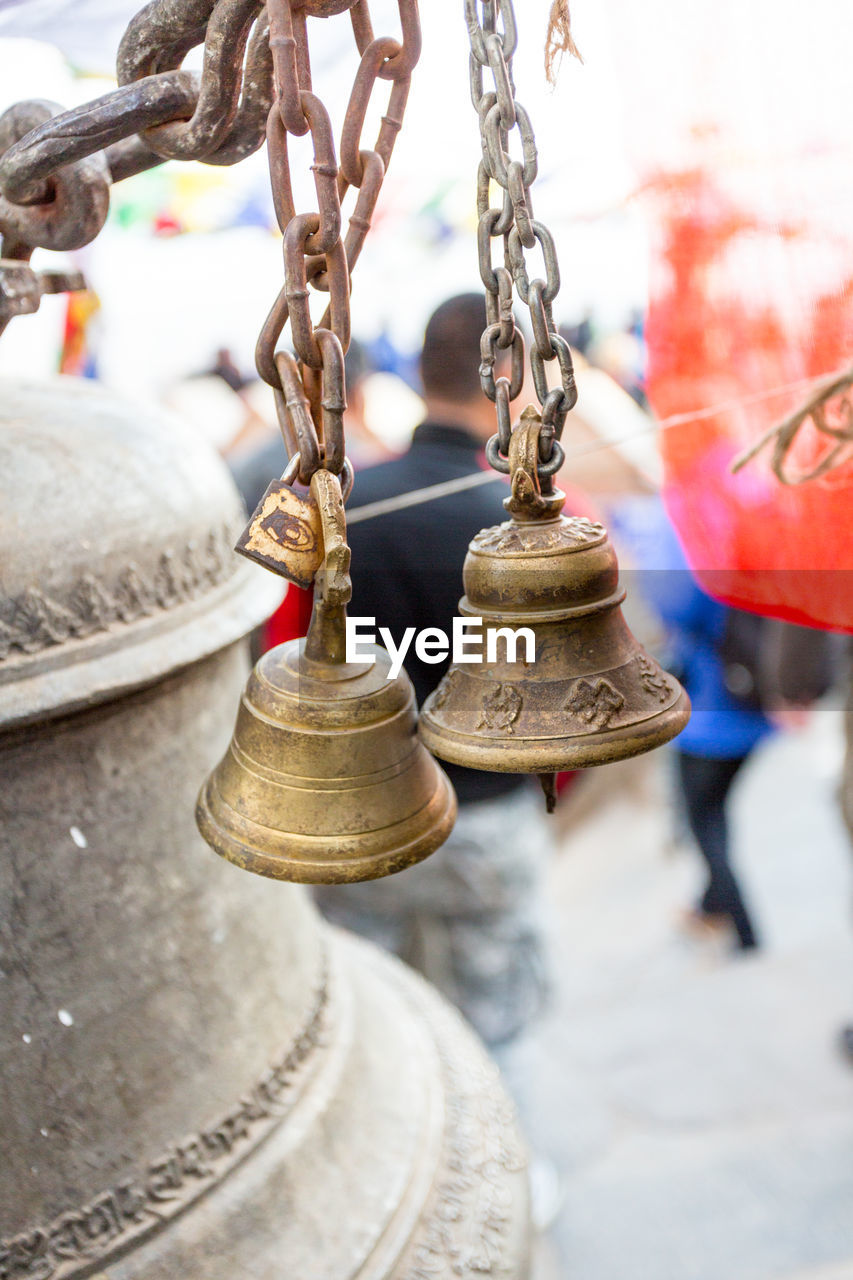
point(432, 492)
point(417, 497)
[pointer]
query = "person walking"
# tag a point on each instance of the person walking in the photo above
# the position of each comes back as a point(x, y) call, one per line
point(471, 917)
point(716, 659)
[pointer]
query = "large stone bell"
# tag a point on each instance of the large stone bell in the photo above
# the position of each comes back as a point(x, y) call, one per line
point(325, 780)
point(585, 693)
point(198, 1077)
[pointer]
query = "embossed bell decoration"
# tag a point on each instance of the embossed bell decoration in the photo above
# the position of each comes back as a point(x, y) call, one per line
point(589, 694)
point(325, 780)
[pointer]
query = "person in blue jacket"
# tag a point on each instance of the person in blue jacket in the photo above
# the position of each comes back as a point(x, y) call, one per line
point(726, 725)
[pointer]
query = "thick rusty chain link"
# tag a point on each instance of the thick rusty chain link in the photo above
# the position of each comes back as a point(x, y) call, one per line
point(493, 35)
point(56, 166)
point(56, 169)
point(309, 386)
point(48, 157)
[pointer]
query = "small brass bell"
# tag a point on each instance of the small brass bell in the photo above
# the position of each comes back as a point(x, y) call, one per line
point(591, 694)
point(325, 780)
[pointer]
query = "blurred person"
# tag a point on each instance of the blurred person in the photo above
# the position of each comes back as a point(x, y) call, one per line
point(470, 917)
point(746, 676)
point(218, 400)
point(225, 367)
point(579, 336)
point(710, 752)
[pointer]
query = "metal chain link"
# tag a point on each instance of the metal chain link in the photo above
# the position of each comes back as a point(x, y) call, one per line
point(310, 387)
point(56, 166)
point(493, 35)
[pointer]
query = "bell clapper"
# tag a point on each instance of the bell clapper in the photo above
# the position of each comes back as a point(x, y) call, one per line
point(548, 782)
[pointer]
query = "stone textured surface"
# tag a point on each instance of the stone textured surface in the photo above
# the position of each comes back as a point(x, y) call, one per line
point(196, 1078)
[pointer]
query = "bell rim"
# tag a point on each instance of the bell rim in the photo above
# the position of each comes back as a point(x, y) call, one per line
point(430, 826)
point(555, 754)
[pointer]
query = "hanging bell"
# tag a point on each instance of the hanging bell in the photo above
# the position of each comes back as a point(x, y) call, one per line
point(584, 692)
point(325, 780)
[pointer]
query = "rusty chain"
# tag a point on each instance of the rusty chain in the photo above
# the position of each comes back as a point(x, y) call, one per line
point(56, 169)
point(493, 37)
point(309, 386)
point(158, 112)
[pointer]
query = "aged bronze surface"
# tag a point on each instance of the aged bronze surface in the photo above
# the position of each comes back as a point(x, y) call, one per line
point(85, 617)
point(592, 695)
point(197, 1076)
point(325, 780)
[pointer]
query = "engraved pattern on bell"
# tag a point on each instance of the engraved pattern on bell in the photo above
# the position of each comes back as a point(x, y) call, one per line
point(574, 531)
point(591, 695)
point(501, 708)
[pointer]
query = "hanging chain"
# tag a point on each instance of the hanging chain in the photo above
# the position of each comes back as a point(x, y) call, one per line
point(493, 40)
point(309, 385)
point(56, 169)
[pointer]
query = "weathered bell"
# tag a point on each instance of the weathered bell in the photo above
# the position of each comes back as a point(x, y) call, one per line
point(198, 1078)
point(325, 780)
point(585, 692)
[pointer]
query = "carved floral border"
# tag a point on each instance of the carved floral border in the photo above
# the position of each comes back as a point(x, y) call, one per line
point(126, 1213)
point(35, 620)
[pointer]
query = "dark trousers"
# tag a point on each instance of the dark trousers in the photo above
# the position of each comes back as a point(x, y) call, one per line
point(705, 785)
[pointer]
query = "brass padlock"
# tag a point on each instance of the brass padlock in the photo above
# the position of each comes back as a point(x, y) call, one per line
point(285, 533)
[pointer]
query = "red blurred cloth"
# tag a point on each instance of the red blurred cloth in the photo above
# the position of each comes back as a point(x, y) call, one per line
point(732, 351)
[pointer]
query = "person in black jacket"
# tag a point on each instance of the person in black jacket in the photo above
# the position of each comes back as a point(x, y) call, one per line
point(470, 917)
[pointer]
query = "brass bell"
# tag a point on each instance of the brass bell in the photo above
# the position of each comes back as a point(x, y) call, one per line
point(585, 693)
point(325, 780)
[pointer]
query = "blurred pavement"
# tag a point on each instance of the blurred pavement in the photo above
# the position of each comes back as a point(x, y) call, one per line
point(696, 1102)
